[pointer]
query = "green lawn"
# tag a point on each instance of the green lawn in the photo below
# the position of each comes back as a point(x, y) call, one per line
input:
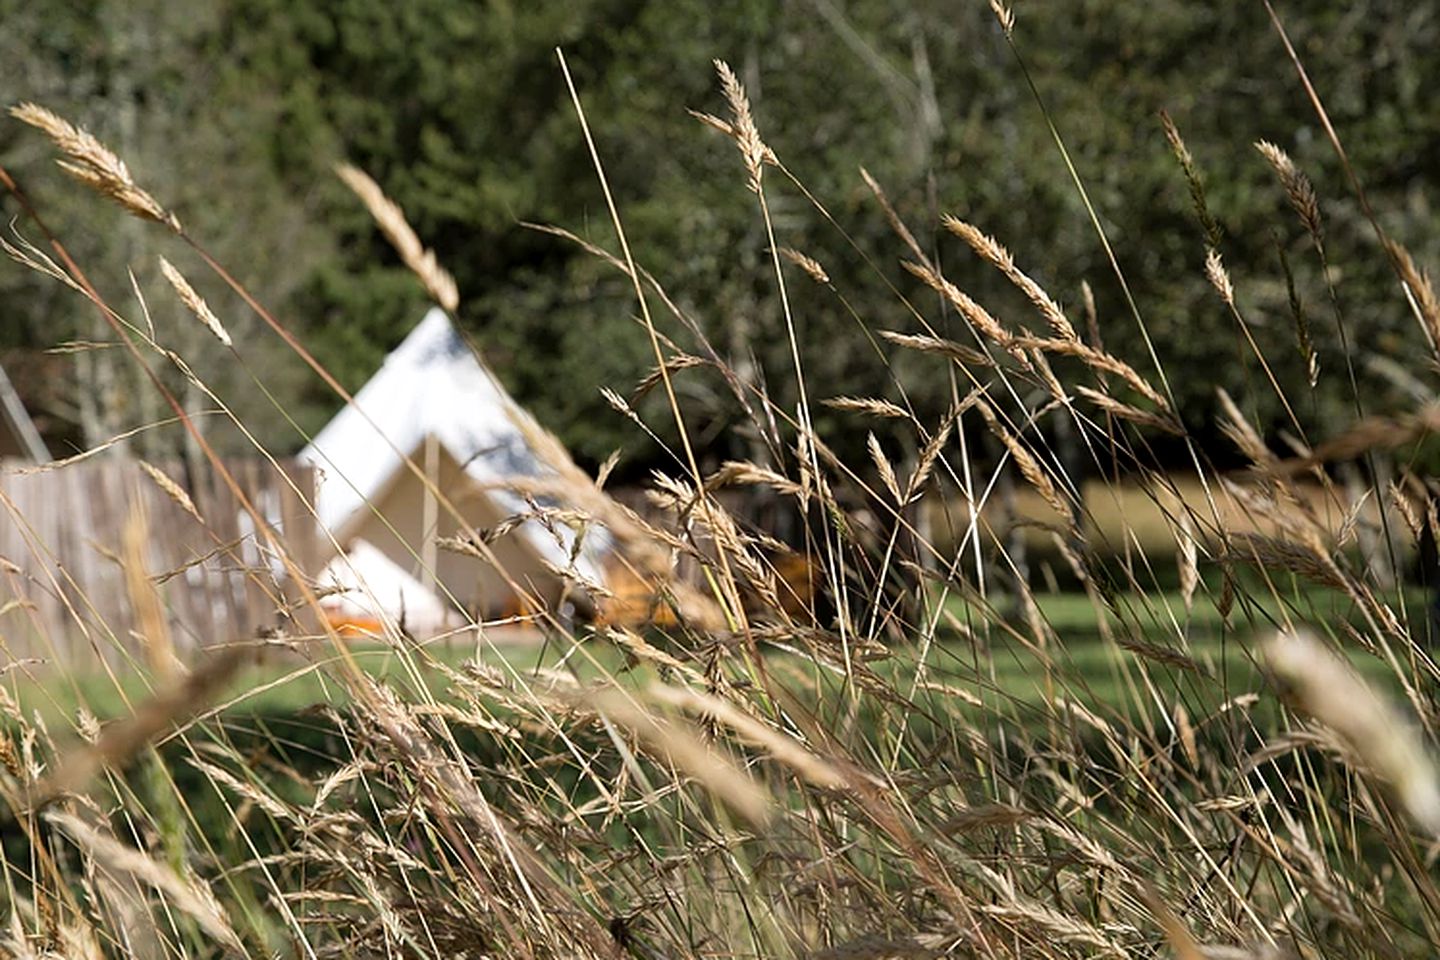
point(992, 658)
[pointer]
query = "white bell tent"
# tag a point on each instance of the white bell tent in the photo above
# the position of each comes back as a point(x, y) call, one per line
point(435, 402)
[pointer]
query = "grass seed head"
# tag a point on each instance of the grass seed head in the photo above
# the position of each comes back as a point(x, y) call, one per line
point(194, 302)
point(94, 164)
point(746, 134)
point(1298, 188)
point(1219, 277)
point(391, 221)
point(809, 264)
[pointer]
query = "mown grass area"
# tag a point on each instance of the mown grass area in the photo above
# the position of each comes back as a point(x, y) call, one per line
point(1100, 672)
point(280, 685)
point(1104, 658)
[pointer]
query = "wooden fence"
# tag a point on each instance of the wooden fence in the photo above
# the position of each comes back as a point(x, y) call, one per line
point(64, 595)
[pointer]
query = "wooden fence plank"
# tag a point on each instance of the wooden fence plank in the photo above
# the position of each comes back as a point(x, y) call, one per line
point(62, 540)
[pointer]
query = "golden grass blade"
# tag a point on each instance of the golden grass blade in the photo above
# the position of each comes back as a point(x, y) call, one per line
point(391, 221)
point(1219, 277)
point(1005, 14)
point(171, 489)
point(145, 599)
point(1422, 293)
point(1241, 432)
point(882, 465)
point(871, 406)
point(892, 216)
point(94, 164)
point(1135, 415)
point(924, 343)
point(1298, 188)
point(187, 894)
point(747, 134)
point(992, 251)
point(809, 264)
point(1029, 467)
point(678, 744)
point(1188, 559)
point(120, 740)
point(194, 302)
point(781, 747)
point(1325, 686)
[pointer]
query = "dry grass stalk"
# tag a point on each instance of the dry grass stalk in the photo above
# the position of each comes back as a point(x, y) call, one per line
point(1193, 180)
point(882, 465)
point(680, 745)
point(1294, 556)
point(742, 472)
point(924, 343)
point(870, 406)
point(1422, 292)
point(642, 545)
point(991, 250)
point(33, 258)
point(94, 164)
point(1005, 15)
point(171, 489)
point(974, 314)
point(1325, 686)
point(120, 740)
point(1219, 277)
point(1029, 467)
point(1049, 922)
point(260, 798)
point(878, 946)
point(1298, 187)
point(1182, 941)
point(638, 647)
point(145, 601)
point(1303, 341)
point(1228, 952)
point(1407, 509)
point(782, 748)
point(1242, 433)
point(930, 453)
point(1052, 383)
point(1135, 415)
point(447, 784)
point(1372, 433)
point(1092, 317)
point(188, 895)
point(1100, 362)
point(391, 220)
point(1325, 885)
point(982, 816)
point(657, 376)
point(1188, 559)
point(809, 264)
point(194, 302)
point(1185, 732)
point(893, 218)
point(747, 135)
point(1165, 655)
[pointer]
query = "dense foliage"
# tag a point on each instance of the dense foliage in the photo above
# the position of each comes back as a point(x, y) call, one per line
point(234, 113)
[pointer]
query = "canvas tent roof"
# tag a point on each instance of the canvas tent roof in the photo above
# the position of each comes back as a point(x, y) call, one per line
point(18, 436)
point(433, 385)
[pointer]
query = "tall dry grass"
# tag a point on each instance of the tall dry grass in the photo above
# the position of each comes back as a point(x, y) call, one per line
point(859, 776)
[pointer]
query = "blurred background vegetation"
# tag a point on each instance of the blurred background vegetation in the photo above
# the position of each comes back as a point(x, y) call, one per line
point(233, 114)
